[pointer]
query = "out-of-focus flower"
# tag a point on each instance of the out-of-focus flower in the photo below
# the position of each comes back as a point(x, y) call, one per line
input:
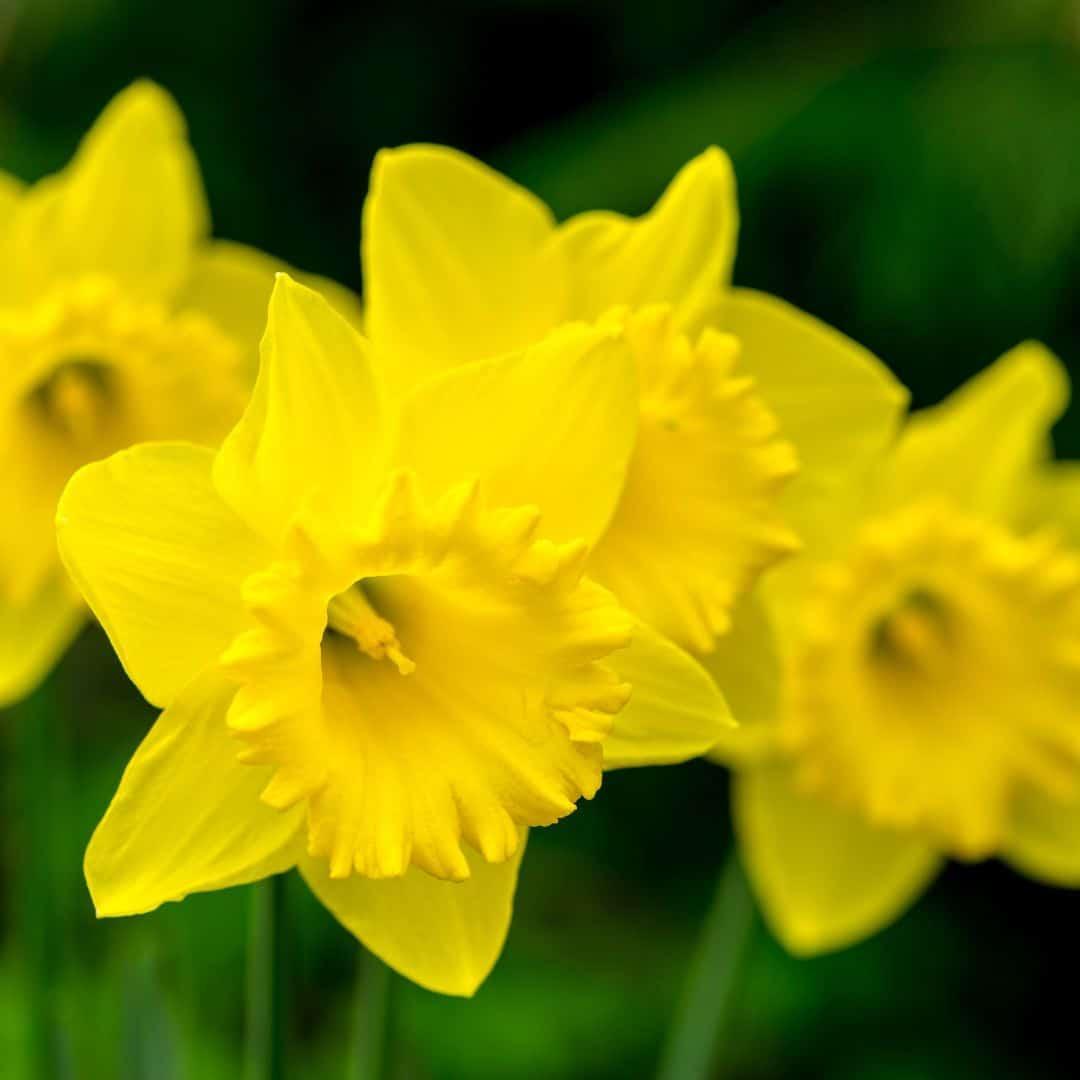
point(461, 263)
point(917, 689)
point(410, 678)
point(120, 321)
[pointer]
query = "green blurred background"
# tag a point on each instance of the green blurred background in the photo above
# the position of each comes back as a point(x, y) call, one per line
point(909, 172)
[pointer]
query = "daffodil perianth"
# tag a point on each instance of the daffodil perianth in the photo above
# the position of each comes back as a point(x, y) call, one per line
point(917, 694)
point(461, 263)
point(120, 321)
point(368, 628)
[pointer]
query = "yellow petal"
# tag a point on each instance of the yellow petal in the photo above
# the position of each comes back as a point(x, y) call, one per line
point(835, 401)
point(444, 935)
point(187, 816)
point(458, 263)
point(34, 634)
point(1043, 838)
point(314, 424)
point(552, 426)
point(747, 667)
point(978, 446)
point(1051, 496)
point(129, 206)
point(825, 878)
point(160, 559)
point(675, 711)
point(232, 283)
point(680, 253)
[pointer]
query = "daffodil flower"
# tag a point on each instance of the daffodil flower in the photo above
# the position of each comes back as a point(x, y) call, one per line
point(119, 322)
point(917, 690)
point(368, 628)
point(461, 263)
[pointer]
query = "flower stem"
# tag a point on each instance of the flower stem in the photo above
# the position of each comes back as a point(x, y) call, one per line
point(266, 1013)
point(35, 723)
point(698, 1031)
point(371, 1027)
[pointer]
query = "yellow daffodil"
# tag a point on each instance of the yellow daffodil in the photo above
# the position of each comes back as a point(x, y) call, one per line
point(119, 321)
point(369, 631)
point(925, 650)
point(461, 263)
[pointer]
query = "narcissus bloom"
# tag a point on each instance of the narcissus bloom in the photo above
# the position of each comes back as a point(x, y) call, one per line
point(369, 630)
point(927, 651)
point(461, 263)
point(119, 322)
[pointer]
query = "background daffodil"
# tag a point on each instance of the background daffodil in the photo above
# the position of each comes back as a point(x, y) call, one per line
point(120, 321)
point(460, 263)
point(925, 646)
point(370, 667)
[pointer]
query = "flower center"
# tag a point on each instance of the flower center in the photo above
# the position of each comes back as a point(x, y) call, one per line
point(350, 613)
point(698, 518)
point(500, 721)
point(74, 400)
point(939, 674)
point(85, 372)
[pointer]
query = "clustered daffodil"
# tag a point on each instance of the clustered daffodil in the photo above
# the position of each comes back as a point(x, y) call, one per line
point(412, 678)
point(120, 321)
point(915, 695)
point(377, 655)
point(439, 577)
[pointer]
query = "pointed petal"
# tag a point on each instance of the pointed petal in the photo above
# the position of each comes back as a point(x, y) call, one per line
point(231, 284)
point(978, 446)
point(552, 426)
point(34, 634)
point(675, 711)
point(458, 263)
point(314, 422)
point(679, 253)
point(825, 878)
point(129, 206)
point(1052, 497)
point(187, 816)
point(444, 935)
point(835, 401)
point(1043, 838)
point(160, 559)
point(746, 665)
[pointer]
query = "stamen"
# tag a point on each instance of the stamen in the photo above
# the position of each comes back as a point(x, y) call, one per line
point(916, 634)
point(350, 613)
point(74, 399)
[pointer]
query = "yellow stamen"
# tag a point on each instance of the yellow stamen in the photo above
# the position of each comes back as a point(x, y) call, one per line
point(76, 403)
point(350, 613)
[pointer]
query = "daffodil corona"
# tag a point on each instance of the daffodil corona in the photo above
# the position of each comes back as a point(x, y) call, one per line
point(378, 657)
point(119, 322)
point(926, 647)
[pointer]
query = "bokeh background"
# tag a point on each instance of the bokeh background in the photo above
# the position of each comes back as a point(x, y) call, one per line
point(909, 172)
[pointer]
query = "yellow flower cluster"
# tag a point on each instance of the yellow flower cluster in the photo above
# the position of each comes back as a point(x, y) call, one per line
point(561, 500)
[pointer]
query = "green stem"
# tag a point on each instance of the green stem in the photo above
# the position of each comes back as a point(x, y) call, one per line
point(371, 1027)
point(266, 1013)
point(35, 721)
point(698, 1031)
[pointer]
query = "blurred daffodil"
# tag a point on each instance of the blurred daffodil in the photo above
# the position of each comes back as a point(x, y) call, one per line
point(119, 322)
point(370, 666)
point(917, 689)
point(461, 263)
